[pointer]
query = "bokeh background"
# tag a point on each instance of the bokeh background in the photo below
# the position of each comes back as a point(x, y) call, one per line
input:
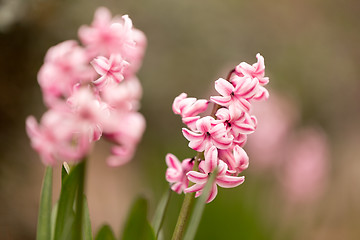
point(304, 176)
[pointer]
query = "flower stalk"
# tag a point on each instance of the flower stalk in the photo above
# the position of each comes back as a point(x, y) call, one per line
point(186, 207)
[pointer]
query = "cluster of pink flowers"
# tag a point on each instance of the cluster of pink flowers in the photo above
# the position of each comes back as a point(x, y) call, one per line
point(298, 156)
point(220, 136)
point(91, 91)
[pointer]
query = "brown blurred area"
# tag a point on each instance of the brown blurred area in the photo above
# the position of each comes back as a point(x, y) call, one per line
point(312, 55)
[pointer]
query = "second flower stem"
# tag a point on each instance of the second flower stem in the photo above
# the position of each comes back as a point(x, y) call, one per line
point(185, 208)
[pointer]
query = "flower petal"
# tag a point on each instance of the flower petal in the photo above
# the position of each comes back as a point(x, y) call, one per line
point(224, 87)
point(222, 101)
point(211, 159)
point(226, 181)
point(197, 177)
point(213, 193)
point(172, 161)
point(195, 188)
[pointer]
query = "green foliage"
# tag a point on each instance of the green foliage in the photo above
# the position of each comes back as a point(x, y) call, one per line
point(86, 222)
point(160, 212)
point(67, 225)
point(44, 219)
point(105, 233)
point(137, 226)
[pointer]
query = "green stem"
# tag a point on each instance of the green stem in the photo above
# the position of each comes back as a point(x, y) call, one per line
point(185, 208)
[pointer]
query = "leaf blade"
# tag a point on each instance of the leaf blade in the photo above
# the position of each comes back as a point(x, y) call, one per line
point(137, 225)
point(44, 218)
point(105, 233)
point(160, 212)
point(86, 221)
point(66, 216)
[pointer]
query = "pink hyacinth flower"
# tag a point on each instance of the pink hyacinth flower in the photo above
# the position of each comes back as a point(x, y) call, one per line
point(89, 112)
point(257, 70)
point(236, 158)
point(189, 108)
point(65, 65)
point(235, 95)
point(306, 171)
point(241, 124)
point(111, 70)
point(125, 130)
point(206, 168)
point(176, 172)
point(135, 53)
point(56, 138)
point(106, 35)
point(124, 96)
point(209, 133)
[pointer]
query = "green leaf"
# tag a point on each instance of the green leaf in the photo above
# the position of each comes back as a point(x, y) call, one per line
point(44, 218)
point(53, 219)
point(160, 212)
point(199, 208)
point(65, 225)
point(137, 227)
point(77, 230)
point(105, 233)
point(86, 222)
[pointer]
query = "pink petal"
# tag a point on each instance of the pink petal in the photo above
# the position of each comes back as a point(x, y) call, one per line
point(226, 181)
point(222, 101)
point(172, 175)
point(177, 187)
point(176, 103)
point(211, 159)
point(32, 127)
point(186, 103)
point(198, 145)
point(223, 114)
point(197, 107)
point(262, 94)
point(204, 124)
point(101, 65)
point(222, 168)
point(192, 136)
point(241, 158)
point(194, 188)
point(197, 177)
point(213, 193)
point(191, 122)
point(101, 82)
point(172, 161)
point(224, 87)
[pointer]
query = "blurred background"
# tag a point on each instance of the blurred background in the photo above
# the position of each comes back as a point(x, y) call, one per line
point(304, 176)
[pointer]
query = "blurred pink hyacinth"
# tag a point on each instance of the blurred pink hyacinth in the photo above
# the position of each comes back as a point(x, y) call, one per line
point(91, 91)
point(277, 118)
point(299, 156)
point(307, 167)
point(221, 136)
